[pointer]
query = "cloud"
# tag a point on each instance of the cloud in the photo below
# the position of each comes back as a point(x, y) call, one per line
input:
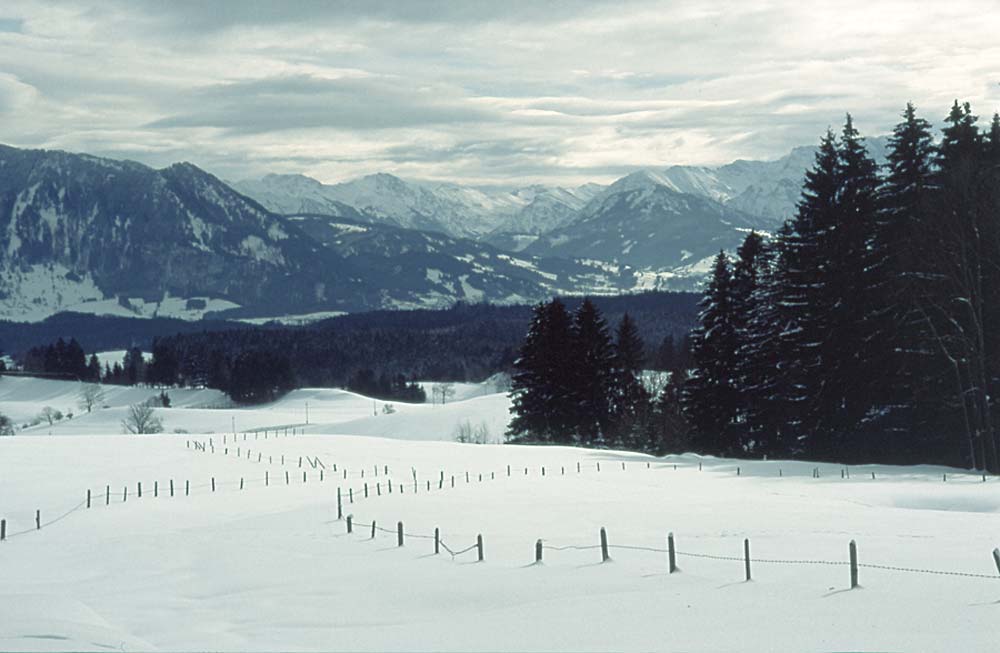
point(562, 91)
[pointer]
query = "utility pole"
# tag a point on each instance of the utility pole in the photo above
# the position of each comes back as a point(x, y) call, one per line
point(307, 412)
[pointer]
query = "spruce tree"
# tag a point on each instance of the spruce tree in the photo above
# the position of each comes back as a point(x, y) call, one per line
point(591, 374)
point(543, 402)
point(629, 398)
point(909, 368)
point(710, 396)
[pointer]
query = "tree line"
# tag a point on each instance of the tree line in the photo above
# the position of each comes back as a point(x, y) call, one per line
point(575, 383)
point(868, 328)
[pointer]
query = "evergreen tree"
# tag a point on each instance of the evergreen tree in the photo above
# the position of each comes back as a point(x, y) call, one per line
point(710, 396)
point(591, 373)
point(629, 398)
point(541, 400)
point(94, 369)
point(905, 361)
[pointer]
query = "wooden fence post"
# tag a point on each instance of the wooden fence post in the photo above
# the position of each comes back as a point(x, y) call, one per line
point(479, 546)
point(538, 551)
point(350, 495)
point(854, 564)
point(437, 540)
point(38, 520)
point(3, 530)
point(378, 488)
point(303, 476)
point(508, 470)
point(577, 467)
point(107, 495)
point(187, 488)
point(543, 470)
point(604, 546)
point(350, 523)
point(671, 553)
point(390, 485)
point(746, 556)
point(156, 489)
point(996, 558)
point(124, 494)
point(171, 487)
point(366, 489)
point(88, 499)
point(241, 482)
point(213, 484)
point(140, 489)
point(287, 478)
point(267, 479)
point(373, 529)
point(598, 466)
point(467, 476)
point(399, 533)
point(340, 506)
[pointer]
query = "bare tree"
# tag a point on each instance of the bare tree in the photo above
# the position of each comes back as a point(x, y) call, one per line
point(141, 419)
point(444, 391)
point(6, 426)
point(50, 415)
point(90, 395)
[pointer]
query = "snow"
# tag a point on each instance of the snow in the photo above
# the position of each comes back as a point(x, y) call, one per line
point(272, 568)
point(296, 319)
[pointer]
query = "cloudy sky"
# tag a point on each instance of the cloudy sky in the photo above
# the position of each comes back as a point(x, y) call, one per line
point(491, 92)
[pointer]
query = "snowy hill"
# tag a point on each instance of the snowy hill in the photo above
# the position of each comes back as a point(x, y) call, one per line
point(248, 552)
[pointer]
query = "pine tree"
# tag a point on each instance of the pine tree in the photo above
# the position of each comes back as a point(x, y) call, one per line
point(629, 398)
point(909, 369)
point(710, 396)
point(591, 374)
point(541, 400)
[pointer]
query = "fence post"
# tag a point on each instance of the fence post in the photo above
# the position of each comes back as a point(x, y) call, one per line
point(854, 564)
point(390, 485)
point(543, 470)
point(373, 529)
point(267, 479)
point(466, 476)
point(437, 540)
point(479, 546)
point(538, 551)
point(303, 477)
point(350, 495)
point(3, 530)
point(671, 553)
point(140, 489)
point(746, 556)
point(213, 484)
point(38, 520)
point(340, 506)
point(378, 488)
point(187, 488)
point(996, 558)
point(604, 546)
point(88, 499)
point(241, 482)
point(156, 489)
point(508, 470)
point(598, 466)
point(366, 489)
point(124, 494)
point(287, 478)
point(399, 533)
point(171, 487)
point(350, 523)
point(107, 495)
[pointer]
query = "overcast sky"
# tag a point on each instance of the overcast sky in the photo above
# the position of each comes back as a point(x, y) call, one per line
point(500, 91)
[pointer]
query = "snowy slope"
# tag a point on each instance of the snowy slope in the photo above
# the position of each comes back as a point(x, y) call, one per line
point(270, 567)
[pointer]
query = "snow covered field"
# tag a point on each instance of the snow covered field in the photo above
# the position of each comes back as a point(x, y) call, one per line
point(270, 567)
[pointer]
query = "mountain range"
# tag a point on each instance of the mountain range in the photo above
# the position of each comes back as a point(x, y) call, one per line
point(103, 236)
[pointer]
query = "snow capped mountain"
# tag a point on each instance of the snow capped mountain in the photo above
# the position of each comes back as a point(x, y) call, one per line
point(644, 221)
point(116, 237)
point(452, 209)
